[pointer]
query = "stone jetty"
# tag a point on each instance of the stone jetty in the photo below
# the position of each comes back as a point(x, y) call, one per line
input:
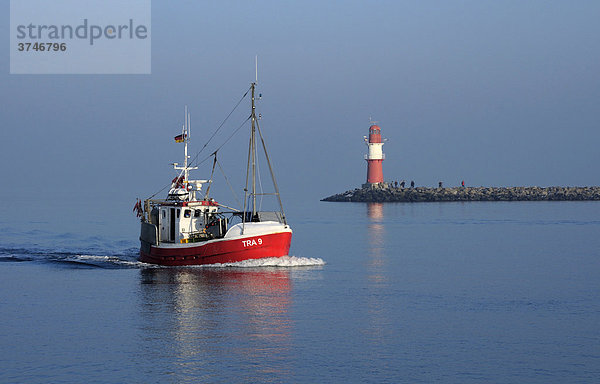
point(423, 194)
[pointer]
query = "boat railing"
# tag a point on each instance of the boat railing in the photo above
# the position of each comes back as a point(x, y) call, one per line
point(261, 216)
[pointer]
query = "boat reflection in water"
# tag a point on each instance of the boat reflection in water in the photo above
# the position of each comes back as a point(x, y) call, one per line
point(209, 320)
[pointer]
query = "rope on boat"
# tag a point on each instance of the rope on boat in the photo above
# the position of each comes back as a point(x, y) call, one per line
point(262, 140)
point(220, 126)
point(210, 181)
point(225, 142)
point(237, 200)
point(209, 140)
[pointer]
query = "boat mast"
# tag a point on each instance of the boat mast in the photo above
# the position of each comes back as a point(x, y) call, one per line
point(252, 164)
point(251, 167)
point(253, 144)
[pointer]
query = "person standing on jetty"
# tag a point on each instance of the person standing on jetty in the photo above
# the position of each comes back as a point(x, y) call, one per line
point(462, 184)
point(412, 183)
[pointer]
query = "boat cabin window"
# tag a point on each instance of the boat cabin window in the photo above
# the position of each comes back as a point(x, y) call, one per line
point(178, 212)
point(187, 213)
point(164, 214)
point(196, 213)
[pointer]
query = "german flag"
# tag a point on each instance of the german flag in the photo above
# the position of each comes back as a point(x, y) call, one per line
point(180, 138)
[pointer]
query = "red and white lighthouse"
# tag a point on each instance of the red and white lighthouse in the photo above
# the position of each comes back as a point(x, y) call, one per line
point(375, 156)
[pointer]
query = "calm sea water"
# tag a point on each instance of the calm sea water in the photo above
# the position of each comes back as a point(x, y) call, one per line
point(451, 292)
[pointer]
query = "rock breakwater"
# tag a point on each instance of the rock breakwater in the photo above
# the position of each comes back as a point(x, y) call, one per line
point(423, 194)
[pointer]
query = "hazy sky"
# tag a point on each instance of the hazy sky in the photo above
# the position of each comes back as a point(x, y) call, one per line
point(492, 92)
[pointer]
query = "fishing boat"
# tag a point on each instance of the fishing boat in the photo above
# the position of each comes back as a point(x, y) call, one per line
point(191, 228)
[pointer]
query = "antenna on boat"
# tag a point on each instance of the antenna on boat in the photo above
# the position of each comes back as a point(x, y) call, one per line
point(256, 69)
point(185, 137)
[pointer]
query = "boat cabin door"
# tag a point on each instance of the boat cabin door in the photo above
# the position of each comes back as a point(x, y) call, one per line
point(167, 224)
point(172, 225)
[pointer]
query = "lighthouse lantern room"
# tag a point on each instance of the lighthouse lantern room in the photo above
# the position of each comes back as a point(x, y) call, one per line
point(374, 157)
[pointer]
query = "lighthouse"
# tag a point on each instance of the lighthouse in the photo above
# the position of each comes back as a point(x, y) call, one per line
point(374, 157)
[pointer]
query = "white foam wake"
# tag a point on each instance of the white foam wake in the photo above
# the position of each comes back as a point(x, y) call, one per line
point(105, 259)
point(284, 261)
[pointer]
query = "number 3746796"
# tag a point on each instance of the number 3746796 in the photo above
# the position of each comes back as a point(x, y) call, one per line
point(42, 47)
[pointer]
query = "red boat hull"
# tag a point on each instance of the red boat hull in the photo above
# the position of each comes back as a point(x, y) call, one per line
point(220, 251)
